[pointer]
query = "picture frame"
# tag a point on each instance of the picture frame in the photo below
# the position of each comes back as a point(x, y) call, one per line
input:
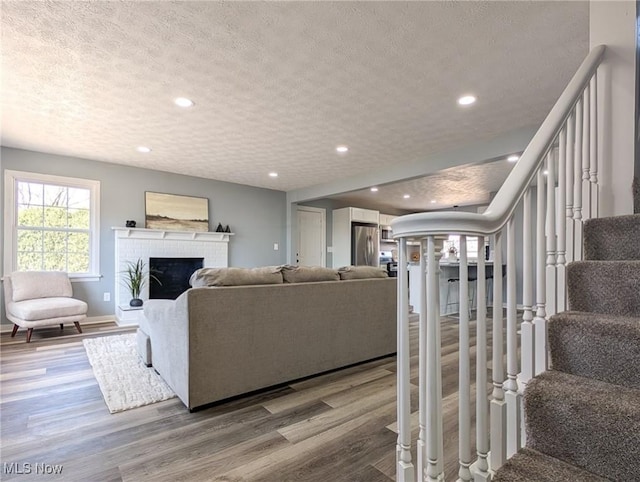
point(176, 212)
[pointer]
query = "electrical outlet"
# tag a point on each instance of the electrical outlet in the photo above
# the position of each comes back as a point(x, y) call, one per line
point(276, 247)
point(106, 296)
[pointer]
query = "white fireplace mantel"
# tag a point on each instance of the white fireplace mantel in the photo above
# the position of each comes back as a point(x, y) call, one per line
point(132, 244)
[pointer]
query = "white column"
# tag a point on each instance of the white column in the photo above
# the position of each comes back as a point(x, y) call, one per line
point(404, 465)
point(481, 467)
point(434, 383)
point(586, 153)
point(464, 375)
point(512, 397)
point(593, 145)
point(498, 406)
point(562, 220)
point(540, 321)
point(527, 346)
point(422, 364)
point(569, 236)
point(577, 185)
point(551, 236)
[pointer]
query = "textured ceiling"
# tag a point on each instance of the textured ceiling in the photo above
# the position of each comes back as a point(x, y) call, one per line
point(460, 186)
point(278, 85)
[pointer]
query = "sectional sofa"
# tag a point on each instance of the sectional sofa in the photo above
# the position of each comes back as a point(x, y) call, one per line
point(232, 334)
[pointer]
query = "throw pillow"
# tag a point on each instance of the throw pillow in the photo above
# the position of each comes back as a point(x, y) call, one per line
point(266, 275)
point(306, 274)
point(362, 272)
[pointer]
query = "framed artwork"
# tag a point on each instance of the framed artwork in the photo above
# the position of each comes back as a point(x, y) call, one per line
point(172, 212)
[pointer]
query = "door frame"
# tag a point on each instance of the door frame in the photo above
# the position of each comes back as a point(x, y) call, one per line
point(323, 212)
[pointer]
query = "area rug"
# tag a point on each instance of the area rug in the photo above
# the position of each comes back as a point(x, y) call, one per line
point(124, 380)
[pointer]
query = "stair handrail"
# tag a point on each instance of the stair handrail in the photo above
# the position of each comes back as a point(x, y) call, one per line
point(509, 195)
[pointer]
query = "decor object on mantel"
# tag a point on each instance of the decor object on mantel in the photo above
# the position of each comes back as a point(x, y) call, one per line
point(130, 223)
point(135, 278)
point(219, 229)
point(172, 212)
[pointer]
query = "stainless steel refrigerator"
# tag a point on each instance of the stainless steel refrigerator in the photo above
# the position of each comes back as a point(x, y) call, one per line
point(365, 244)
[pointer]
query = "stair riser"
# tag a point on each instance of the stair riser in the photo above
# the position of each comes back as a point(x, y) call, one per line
point(610, 287)
point(613, 238)
point(585, 425)
point(596, 346)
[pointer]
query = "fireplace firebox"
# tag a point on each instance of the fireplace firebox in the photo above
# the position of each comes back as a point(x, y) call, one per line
point(174, 274)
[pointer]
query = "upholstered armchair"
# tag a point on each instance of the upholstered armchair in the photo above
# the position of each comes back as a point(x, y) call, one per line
point(41, 298)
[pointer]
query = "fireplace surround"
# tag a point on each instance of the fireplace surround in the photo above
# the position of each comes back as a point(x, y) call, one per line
point(132, 244)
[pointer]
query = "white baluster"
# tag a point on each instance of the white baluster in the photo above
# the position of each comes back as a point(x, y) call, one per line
point(577, 185)
point(551, 236)
point(540, 321)
point(422, 365)
point(512, 397)
point(593, 145)
point(498, 405)
point(570, 127)
point(586, 154)
point(434, 383)
point(481, 467)
point(528, 360)
point(464, 376)
point(404, 465)
point(562, 222)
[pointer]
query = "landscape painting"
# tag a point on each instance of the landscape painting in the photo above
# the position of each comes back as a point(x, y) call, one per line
point(172, 212)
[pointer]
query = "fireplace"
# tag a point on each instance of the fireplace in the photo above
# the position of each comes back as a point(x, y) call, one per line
point(174, 274)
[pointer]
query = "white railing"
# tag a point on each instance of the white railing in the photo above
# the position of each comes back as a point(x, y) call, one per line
point(555, 183)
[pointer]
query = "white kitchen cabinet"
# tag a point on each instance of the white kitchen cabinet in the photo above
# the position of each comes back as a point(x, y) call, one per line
point(385, 219)
point(342, 219)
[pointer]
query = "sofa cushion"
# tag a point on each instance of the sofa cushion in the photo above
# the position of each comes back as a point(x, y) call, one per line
point(46, 308)
point(266, 275)
point(362, 272)
point(305, 274)
point(28, 285)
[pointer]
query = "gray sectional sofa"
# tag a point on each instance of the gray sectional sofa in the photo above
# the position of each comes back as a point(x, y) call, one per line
point(216, 342)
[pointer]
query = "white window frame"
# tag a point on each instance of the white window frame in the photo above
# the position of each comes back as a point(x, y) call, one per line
point(11, 179)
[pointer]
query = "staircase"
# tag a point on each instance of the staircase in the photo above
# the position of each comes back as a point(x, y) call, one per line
point(582, 417)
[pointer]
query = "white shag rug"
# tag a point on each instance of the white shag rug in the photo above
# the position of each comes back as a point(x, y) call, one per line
point(124, 380)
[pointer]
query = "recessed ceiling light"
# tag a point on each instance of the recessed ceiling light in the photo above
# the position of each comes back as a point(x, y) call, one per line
point(183, 102)
point(513, 158)
point(144, 149)
point(433, 201)
point(466, 100)
point(406, 196)
point(374, 189)
point(273, 174)
point(342, 149)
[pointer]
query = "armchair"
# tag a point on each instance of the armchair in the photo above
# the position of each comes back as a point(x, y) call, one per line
point(41, 298)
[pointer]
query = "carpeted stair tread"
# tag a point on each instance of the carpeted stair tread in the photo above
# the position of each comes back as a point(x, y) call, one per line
point(604, 347)
point(614, 238)
point(585, 422)
point(611, 287)
point(532, 466)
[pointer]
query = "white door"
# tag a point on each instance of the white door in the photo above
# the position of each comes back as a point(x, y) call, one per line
point(311, 236)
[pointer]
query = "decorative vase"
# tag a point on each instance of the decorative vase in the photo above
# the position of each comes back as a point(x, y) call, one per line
point(135, 302)
point(227, 229)
point(219, 229)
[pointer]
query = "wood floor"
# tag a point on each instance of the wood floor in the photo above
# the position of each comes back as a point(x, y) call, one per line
point(331, 428)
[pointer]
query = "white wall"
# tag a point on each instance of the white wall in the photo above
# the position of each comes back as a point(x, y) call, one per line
point(613, 23)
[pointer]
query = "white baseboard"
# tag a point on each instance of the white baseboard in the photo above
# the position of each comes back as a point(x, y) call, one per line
point(91, 320)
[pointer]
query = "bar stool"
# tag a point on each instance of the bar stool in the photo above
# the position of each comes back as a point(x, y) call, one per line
point(472, 278)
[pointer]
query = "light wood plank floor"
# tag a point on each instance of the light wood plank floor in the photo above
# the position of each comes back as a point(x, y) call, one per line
point(331, 428)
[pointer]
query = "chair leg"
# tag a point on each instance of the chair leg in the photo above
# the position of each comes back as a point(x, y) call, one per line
point(29, 333)
point(14, 331)
point(78, 326)
point(61, 326)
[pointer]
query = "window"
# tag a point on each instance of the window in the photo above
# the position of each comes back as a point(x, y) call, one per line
point(472, 245)
point(52, 224)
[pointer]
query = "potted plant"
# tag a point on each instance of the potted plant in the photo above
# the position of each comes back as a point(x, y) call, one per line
point(135, 276)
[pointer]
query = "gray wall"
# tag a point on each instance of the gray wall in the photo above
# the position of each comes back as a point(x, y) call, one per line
point(256, 216)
